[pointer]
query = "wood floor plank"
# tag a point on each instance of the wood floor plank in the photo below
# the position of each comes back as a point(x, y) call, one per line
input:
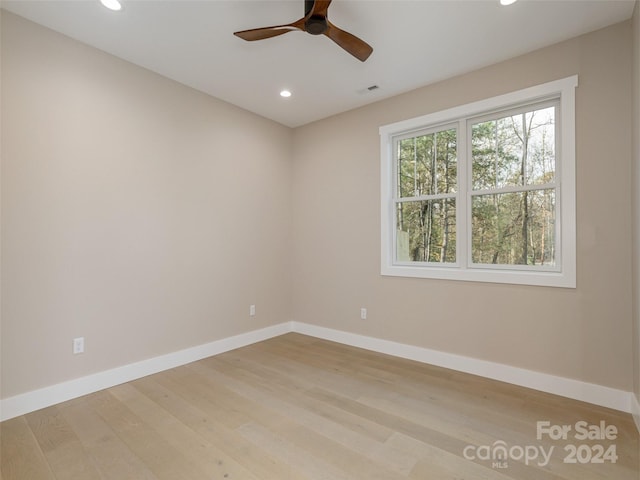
point(301, 408)
point(166, 462)
point(292, 389)
point(261, 412)
point(263, 465)
point(20, 454)
point(185, 440)
point(293, 404)
point(61, 446)
point(439, 464)
point(112, 457)
point(288, 451)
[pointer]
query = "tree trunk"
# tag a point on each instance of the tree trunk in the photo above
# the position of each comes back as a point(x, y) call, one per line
point(525, 197)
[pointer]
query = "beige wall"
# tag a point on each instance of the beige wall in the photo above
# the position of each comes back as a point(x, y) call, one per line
point(584, 334)
point(136, 212)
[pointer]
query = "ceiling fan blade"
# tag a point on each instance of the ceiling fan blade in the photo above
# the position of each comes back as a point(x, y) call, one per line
point(268, 32)
point(352, 44)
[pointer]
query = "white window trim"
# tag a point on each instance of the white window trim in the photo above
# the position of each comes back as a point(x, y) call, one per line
point(564, 89)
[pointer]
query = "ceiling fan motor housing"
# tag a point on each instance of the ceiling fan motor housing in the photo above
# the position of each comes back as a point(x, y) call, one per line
point(316, 25)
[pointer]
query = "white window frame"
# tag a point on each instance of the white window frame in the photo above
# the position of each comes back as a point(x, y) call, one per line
point(563, 274)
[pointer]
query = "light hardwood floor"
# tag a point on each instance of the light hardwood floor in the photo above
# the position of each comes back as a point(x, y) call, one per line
point(300, 408)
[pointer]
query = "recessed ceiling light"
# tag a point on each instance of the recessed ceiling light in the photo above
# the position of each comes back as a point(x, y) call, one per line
point(507, 2)
point(112, 4)
point(285, 93)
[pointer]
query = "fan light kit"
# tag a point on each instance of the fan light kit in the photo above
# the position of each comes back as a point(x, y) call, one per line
point(114, 5)
point(315, 22)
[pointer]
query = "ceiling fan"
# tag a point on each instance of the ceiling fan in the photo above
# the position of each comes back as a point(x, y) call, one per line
point(315, 22)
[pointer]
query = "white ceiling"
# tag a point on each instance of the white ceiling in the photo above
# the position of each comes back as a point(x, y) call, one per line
point(415, 43)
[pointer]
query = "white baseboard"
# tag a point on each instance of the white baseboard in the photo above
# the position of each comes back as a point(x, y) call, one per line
point(565, 387)
point(588, 392)
point(31, 401)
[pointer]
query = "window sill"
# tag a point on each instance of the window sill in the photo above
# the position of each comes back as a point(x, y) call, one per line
point(534, 278)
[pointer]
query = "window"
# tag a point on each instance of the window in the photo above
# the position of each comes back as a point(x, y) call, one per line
point(485, 191)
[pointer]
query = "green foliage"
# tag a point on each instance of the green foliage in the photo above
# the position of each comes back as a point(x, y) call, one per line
point(431, 230)
point(499, 227)
point(512, 196)
point(512, 155)
point(427, 167)
point(427, 164)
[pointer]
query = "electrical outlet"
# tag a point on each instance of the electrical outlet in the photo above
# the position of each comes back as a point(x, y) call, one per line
point(363, 313)
point(78, 345)
point(252, 310)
